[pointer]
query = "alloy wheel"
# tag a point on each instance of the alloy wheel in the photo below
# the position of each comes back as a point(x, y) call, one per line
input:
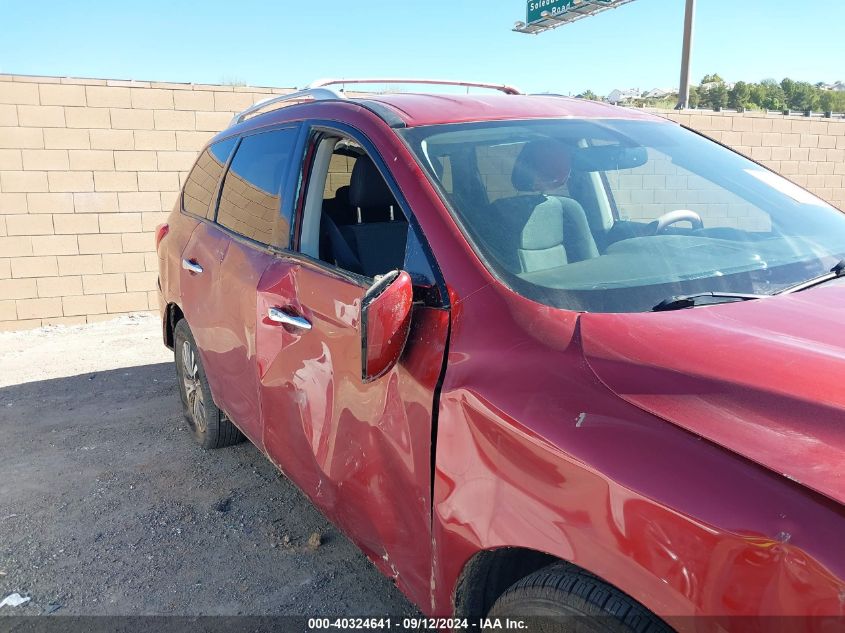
point(192, 386)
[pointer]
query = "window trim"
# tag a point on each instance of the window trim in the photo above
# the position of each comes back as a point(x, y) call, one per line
point(312, 130)
point(297, 257)
point(222, 178)
point(320, 157)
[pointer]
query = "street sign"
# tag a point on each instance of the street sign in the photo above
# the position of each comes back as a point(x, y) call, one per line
point(555, 8)
point(542, 15)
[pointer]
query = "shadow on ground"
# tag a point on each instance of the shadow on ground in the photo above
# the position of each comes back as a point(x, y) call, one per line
point(108, 507)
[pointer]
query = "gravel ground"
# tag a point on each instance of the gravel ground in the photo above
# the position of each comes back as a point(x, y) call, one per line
point(107, 507)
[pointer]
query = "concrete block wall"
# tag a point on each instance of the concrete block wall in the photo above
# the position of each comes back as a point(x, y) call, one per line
point(89, 167)
point(810, 151)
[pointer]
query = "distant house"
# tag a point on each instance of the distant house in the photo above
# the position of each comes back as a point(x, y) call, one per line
point(837, 87)
point(713, 84)
point(659, 93)
point(623, 95)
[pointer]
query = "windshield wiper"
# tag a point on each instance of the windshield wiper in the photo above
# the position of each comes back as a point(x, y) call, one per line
point(679, 302)
point(834, 273)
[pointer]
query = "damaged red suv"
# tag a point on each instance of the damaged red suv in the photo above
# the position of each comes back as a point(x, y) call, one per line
point(534, 355)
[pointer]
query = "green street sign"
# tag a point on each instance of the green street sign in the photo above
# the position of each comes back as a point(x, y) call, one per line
point(535, 8)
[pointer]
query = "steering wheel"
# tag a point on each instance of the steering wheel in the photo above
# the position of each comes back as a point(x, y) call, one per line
point(679, 215)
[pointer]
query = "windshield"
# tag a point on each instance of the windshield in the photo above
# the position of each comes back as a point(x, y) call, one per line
point(617, 215)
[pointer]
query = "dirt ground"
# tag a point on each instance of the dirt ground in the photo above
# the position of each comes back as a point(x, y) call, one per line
point(107, 507)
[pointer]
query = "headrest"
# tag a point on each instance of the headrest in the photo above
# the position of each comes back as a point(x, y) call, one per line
point(342, 194)
point(541, 166)
point(367, 187)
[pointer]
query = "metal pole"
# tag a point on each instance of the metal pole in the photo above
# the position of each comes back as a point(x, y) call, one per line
point(683, 92)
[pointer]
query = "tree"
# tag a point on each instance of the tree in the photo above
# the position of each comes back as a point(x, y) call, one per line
point(788, 87)
point(703, 97)
point(769, 94)
point(739, 96)
point(826, 101)
point(803, 96)
point(832, 101)
point(712, 79)
point(588, 94)
point(717, 96)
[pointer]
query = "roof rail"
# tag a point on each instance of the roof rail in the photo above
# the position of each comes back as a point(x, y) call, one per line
point(309, 94)
point(320, 83)
point(319, 91)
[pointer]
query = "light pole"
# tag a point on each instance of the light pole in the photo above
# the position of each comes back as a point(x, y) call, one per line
point(683, 91)
point(550, 14)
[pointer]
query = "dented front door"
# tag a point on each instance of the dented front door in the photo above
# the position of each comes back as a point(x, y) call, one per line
point(361, 451)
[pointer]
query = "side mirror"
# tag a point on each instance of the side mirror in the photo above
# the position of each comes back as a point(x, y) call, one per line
point(385, 323)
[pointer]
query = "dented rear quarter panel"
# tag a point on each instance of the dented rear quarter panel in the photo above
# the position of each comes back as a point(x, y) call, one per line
point(534, 452)
point(181, 227)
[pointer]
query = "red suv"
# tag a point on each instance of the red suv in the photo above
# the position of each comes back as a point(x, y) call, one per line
point(534, 355)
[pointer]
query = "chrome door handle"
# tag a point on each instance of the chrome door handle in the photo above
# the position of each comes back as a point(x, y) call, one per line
point(191, 265)
point(277, 315)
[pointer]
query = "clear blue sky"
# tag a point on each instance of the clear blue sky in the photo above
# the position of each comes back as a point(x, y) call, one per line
point(290, 42)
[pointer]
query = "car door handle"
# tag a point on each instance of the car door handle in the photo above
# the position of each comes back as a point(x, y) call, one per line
point(191, 265)
point(277, 315)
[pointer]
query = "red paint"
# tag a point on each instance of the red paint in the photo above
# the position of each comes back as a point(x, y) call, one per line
point(388, 320)
point(161, 232)
point(693, 459)
point(417, 109)
point(560, 464)
point(360, 450)
point(771, 370)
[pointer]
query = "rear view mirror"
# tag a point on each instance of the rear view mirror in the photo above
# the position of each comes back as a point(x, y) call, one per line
point(385, 323)
point(608, 158)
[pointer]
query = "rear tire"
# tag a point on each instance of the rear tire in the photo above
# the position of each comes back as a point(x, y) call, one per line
point(562, 598)
point(210, 426)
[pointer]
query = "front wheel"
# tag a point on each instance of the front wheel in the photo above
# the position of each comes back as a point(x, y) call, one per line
point(211, 428)
point(564, 599)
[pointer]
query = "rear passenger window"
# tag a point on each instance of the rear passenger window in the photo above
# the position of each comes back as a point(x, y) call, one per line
point(202, 181)
point(250, 202)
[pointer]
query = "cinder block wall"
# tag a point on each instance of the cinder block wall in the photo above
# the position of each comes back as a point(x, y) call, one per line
point(808, 151)
point(89, 167)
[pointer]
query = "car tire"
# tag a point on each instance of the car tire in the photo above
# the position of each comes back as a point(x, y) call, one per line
point(563, 598)
point(210, 426)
